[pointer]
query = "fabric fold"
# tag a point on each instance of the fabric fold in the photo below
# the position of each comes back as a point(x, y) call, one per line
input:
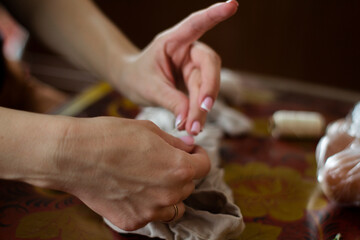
point(210, 211)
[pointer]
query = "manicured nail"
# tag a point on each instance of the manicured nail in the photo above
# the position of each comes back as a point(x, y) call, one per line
point(207, 104)
point(195, 128)
point(228, 1)
point(178, 121)
point(189, 140)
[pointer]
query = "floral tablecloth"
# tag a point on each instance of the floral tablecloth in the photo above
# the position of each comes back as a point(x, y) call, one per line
point(273, 180)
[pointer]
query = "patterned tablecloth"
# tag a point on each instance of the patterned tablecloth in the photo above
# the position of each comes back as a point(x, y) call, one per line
point(273, 180)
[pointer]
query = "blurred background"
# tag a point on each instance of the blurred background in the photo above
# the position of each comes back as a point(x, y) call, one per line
point(315, 41)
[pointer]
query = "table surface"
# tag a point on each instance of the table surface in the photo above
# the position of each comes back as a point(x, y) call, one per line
point(273, 180)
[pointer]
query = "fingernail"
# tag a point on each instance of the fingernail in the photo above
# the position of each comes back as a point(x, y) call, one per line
point(189, 140)
point(195, 128)
point(178, 121)
point(207, 104)
point(228, 1)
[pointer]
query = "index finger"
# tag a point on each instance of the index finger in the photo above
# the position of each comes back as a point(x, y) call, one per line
point(194, 26)
point(200, 162)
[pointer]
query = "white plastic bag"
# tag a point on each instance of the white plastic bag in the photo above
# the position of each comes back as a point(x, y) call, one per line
point(338, 159)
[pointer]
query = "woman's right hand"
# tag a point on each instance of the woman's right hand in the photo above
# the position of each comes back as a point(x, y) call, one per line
point(128, 171)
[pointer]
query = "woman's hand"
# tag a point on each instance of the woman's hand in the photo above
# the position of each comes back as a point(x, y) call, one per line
point(151, 77)
point(175, 58)
point(128, 171)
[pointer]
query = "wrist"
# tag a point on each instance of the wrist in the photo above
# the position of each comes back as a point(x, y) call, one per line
point(29, 145)
point(119, 65)
point(48, 154)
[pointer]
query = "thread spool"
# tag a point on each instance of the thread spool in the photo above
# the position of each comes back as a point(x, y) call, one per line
point(297, 124)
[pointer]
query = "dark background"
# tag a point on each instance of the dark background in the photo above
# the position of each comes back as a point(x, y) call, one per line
point(308, 40)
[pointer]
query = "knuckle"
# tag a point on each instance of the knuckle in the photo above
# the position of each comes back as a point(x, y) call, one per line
point(125, 225)
point(183, 171)
point(149, 215)
point(176, 106)
point(128, 227)
point(195, 25)
point(184, 174)
point(214, 18)
point(172, 197)
point(132, 225)
point(160, 36)
point(215, 57)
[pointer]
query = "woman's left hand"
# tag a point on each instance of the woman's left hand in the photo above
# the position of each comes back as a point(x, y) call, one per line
point(177, 72)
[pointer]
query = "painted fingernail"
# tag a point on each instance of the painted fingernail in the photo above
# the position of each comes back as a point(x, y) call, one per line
point(207, 104)
point(228, 1)
point(189, 140)
point(178, 121)
point(195, 128)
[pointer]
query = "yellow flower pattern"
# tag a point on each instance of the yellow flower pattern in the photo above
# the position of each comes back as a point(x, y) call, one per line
point(71, 223)
point(258, 231)
point(277, 202)
point(279, 192)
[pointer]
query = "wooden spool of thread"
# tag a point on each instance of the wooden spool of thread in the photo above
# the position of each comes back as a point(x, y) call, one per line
point(298, 124)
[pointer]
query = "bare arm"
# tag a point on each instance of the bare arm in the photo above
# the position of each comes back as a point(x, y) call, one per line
point(77, 30)
point(144, 169)
point(128, 171)
point(27, 144)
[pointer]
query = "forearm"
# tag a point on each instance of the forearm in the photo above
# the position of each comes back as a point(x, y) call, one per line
point(28, 145)
point(77, 30)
